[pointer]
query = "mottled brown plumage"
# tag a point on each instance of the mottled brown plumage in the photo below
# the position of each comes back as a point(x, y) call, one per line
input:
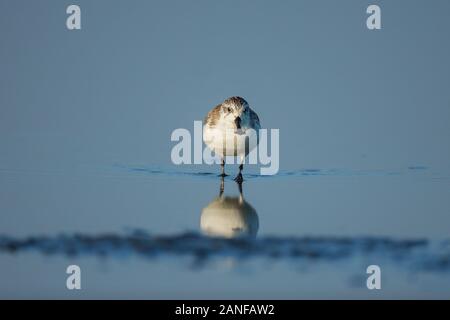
point(212, 116)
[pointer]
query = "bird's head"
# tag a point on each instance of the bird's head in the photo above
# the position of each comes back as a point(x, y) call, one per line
point(235, 109)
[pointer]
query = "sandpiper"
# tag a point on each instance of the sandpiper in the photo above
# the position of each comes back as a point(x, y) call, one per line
point(226, 131)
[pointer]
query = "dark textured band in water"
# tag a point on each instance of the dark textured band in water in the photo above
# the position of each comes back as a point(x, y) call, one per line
point(414, 254)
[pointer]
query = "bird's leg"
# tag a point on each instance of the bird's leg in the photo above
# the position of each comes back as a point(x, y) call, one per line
point(222, 186)
point(239, 177)
point(241, 196)
point(223, 168)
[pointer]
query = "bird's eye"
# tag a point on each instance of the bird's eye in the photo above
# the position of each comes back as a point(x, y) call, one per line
point(229, 109)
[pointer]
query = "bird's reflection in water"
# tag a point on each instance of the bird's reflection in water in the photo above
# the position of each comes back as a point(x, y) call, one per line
point(229, 217)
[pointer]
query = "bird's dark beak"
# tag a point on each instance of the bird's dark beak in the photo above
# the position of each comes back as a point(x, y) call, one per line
point(237, 121)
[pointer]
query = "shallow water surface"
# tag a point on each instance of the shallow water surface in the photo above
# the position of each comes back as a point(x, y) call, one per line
point(86, 177)
point(137, 230)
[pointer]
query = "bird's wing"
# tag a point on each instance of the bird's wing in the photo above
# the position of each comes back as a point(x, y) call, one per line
point(254, 120)
point(213, 116)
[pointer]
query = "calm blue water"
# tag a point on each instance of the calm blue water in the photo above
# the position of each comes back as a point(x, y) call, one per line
point(135, 232)
point(86, 178)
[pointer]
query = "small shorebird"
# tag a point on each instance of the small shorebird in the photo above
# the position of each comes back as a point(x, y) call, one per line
point(226, 131)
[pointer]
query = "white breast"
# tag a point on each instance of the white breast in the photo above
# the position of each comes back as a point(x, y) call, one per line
point(229, 143)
